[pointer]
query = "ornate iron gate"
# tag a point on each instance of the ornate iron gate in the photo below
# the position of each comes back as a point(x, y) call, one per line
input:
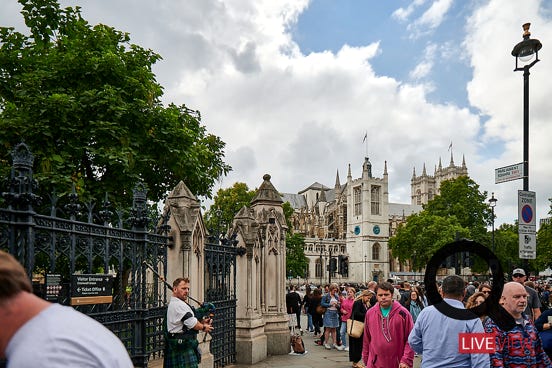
point(220, 286)
point(54, 249)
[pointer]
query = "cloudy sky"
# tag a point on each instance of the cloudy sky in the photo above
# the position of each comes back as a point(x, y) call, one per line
point(292, 86)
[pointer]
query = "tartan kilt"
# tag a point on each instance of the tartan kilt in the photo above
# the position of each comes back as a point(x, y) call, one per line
point(180, 353)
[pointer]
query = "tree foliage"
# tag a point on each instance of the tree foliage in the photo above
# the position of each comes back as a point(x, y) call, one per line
point(460, 210)
point(296, 261)
point(544, 244)
point(88, 104)
point(227, 203)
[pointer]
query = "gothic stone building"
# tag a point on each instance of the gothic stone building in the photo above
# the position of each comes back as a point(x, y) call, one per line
point(354, 221)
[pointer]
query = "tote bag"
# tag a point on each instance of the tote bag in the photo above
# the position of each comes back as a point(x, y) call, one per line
point(355, 328)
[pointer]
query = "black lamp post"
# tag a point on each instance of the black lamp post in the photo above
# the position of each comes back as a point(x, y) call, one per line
point(492, 203)
point(527, 52)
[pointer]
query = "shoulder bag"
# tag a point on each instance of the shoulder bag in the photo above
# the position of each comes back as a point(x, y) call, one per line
point(355, 328)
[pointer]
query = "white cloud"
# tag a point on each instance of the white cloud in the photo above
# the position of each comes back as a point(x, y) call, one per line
point(431, 18)
point(402, 14)
point(302, 117)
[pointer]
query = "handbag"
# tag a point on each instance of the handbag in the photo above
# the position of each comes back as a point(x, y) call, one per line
point(320, 309)
point(355, 328)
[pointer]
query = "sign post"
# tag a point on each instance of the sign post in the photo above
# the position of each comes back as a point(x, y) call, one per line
point(527, 225)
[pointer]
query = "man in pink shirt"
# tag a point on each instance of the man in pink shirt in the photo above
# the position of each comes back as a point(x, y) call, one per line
point(386, 329)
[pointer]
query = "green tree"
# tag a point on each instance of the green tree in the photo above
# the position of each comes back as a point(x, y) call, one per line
point(422, 235)
point(462, 199)
point(227, 203)
point(296, 261)
point(88, 104)
point(459, 211)
point(544, 245)
point(507, 246)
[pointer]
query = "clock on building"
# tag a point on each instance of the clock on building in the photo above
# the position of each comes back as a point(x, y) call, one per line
point(357, 230)
point(376, 229)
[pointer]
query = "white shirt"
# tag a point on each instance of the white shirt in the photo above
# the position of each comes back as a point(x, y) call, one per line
point(59, 336)
point(179, 314)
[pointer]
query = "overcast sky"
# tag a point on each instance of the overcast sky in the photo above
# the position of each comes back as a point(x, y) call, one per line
point(292, 86)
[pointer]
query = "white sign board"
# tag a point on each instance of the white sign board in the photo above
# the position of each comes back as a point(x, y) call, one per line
point(527, 246)
point(527, 225)
point(507, 173)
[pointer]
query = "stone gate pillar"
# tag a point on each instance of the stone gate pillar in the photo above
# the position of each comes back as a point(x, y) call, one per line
point(186, 253)
point(267, 210)
point(251, 340)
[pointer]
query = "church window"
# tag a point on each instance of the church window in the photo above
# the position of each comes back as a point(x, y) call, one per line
point(430, 195)
point(376, 252)
point(375, 200)
point(317, 268)
point(418, 197)
point(357, 199)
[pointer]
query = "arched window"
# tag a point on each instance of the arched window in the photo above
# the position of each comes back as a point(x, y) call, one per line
point(317, 268)
point(376, 252)
point(418, 197)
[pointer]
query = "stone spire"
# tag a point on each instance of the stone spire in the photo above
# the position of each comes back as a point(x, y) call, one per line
point(385, 168)
point(414, 173)
point(337, 183)
point(440, 166)
point(267, 192)
point(451, 160)
point(424, 173)
point(464, 162)
point(349, 176)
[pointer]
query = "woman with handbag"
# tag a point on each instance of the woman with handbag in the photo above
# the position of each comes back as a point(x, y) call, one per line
point(360, 307)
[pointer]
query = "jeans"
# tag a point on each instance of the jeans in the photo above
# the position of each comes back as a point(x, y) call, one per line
point(310, 326)
point(343, 333)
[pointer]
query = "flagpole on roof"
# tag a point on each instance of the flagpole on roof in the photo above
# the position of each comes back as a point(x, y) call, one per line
point(365, 140)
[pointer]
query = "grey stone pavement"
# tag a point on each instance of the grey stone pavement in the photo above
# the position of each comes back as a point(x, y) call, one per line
point(315, 357)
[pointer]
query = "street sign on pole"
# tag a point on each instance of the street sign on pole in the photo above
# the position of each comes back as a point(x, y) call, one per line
point(507, 173)
point(527, 224)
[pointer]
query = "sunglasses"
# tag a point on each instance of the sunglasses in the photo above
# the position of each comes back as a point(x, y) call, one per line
point(518, 275)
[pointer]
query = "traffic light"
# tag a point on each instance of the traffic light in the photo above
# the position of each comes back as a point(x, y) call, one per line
point(340, 264)
point(345, 268)
point(333, 265)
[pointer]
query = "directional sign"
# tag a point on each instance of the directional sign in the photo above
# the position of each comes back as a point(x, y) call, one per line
point(91, 285)
point(507, 173)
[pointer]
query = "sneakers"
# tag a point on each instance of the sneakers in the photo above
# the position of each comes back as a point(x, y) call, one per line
point(340, 347)
point(328, 346)
point(346, 348)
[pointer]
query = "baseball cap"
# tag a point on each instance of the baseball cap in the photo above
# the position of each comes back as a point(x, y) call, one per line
point(518, 271)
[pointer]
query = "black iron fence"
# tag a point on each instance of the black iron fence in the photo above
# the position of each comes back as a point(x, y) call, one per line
point(58, 251)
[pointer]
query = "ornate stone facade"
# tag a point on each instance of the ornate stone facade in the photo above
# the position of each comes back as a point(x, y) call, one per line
point(355, 220)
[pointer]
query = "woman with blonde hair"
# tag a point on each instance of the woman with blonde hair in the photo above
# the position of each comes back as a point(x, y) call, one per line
point(360, 307)
point(331, 317)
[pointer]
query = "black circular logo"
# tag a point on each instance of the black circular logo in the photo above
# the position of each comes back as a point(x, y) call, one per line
point(435, 299)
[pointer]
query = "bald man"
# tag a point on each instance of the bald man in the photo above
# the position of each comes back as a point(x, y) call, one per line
point(517, 342)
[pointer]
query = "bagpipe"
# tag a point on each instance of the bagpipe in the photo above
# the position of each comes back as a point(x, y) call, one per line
point(205, 310)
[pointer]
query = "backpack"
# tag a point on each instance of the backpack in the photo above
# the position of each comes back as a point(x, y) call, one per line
point(297, 345)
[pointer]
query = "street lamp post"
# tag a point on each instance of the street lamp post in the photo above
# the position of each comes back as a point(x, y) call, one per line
point(526, 52)
point(492, 203)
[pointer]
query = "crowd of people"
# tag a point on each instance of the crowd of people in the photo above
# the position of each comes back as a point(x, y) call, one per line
point(400, 323)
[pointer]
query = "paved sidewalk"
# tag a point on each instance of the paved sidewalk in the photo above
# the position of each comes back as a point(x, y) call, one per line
point(316, 357)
